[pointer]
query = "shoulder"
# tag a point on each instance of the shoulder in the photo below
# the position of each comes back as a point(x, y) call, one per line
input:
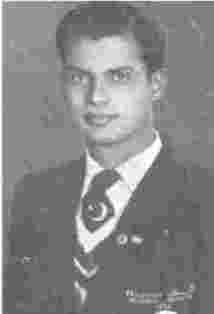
point(49, 177)
point(186, 182)
point(195, 181)
point(44, 186)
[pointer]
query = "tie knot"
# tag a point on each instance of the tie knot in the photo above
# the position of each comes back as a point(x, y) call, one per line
point(103, 180)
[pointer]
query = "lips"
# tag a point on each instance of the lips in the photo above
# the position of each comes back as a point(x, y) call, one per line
point(99, 120)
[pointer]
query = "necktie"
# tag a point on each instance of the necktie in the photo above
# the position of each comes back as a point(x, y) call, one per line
point(96, 206)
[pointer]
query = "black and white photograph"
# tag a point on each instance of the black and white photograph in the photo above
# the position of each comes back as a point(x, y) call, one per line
point(108, 157)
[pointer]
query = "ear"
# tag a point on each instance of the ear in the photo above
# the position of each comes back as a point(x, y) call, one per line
point(159, 82)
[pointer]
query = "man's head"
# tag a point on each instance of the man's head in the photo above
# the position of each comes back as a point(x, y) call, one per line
point(96, 20)
point(112, 60)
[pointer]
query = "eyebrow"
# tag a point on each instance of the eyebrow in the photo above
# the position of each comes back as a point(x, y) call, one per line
point(111, 70)
point(75, 68)
point(121, 68)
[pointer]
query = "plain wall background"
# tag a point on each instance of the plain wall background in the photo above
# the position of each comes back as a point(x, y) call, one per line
point(37, 131)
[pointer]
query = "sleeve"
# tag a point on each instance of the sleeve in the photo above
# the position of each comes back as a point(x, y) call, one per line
point(26, 287)
point(204, 194)
point(205, 304)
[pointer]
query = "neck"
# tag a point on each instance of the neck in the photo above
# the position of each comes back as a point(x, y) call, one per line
point(111, 156)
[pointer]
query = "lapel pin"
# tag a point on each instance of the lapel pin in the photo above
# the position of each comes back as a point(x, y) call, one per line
point(122, 239)
point(166, 232)
point(136, 239)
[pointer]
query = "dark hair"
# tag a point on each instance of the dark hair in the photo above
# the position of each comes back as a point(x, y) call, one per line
point(98, 19)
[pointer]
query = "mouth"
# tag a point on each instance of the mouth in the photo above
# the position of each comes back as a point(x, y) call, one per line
point(99, 120)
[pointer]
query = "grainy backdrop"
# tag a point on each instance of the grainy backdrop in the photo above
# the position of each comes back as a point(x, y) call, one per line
point(37, 130)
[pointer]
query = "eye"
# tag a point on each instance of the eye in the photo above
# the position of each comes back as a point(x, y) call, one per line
point(121, 75)
point(77, 77)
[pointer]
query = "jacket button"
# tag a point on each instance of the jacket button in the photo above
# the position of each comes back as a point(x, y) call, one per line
point(43, 209)
point(166, 232)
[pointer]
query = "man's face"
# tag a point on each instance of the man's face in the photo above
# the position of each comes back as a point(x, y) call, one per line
point(107, 88)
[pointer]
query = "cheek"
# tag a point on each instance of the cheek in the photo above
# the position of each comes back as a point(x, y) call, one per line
point(133, 104)
point(75, 97)
point(75, 104)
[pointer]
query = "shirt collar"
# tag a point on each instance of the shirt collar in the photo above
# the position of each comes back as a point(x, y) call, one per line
point(92, 169)
point(133, 170)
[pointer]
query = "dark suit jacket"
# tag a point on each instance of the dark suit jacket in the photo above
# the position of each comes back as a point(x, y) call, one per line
point(170, 210)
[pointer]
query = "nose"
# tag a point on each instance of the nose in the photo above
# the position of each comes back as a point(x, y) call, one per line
point(99, 94)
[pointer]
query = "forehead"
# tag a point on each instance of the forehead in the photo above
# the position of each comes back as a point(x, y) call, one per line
point(105, 53)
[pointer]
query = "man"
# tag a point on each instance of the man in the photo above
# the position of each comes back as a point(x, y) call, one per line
point(122, 229)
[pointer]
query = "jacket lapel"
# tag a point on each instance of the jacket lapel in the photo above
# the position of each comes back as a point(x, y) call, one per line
point(63, 231)
point(154, 193)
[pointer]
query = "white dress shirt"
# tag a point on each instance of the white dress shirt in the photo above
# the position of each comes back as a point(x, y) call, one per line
point(132, 172)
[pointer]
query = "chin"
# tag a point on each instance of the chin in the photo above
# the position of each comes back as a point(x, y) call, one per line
point(100, 141)
point(105, 140)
